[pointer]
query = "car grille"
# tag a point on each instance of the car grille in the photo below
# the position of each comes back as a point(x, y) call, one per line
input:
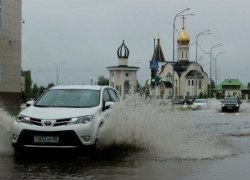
point(66, 138)
point(36, 121)
point(59, 122)
point(230, 105)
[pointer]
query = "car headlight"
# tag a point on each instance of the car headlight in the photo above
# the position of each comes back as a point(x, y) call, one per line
point(223, 105)
point(23, 119)
point(237, 105)
point(81, 120)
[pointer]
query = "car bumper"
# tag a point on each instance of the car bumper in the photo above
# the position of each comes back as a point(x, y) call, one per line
point(196, 107)
point(230, 108)
point(71, 136)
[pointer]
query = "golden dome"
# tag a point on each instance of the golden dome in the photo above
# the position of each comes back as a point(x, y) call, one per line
point(183, 38)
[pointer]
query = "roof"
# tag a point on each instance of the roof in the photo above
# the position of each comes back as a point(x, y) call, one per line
point(183, 38)
point(158, 54)
point(167, 84)
point(193, 73)
point(231, 82)
point(181, 66)
point(125, 68)
point(122, 51)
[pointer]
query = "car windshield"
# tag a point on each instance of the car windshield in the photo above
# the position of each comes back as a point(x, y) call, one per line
point(200, 101)
point(230, 100)
point(72, 98)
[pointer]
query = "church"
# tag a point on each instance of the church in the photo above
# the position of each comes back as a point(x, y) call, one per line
point(184, 77)
point(123, 77)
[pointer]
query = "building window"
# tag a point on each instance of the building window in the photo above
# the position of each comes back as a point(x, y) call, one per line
point(192, 82)
point(199, 83)
point(182, 54)
point(188, 82)
point(127, 74)
point(169, 77)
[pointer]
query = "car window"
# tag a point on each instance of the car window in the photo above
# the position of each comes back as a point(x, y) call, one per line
point(200, 101)
point(77, 98)
point(230, 100)
point(113, 95)
point(106, 96)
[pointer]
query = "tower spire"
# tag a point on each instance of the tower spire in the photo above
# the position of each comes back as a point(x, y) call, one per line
point(183, 22)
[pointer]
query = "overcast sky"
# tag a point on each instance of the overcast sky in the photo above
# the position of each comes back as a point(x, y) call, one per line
point(81, 37)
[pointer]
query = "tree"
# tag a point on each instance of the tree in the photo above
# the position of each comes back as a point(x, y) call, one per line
point(102, 81)
point(41, 90)
point(50, 85)
point(35, 92)
point(211, 87)
point(138, 86)
point(248, 85)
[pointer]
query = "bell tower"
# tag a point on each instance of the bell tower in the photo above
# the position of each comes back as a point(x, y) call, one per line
point(183, 44)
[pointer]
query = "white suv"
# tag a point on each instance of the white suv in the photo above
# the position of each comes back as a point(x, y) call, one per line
point(64, 117)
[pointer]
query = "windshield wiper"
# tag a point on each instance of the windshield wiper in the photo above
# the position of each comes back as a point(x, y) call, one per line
point(41, 106)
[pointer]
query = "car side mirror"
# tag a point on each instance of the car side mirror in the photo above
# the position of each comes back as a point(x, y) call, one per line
point(30, 103)
point(107, 105)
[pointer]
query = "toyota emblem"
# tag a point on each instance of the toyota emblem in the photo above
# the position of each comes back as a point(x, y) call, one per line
point(47, 123)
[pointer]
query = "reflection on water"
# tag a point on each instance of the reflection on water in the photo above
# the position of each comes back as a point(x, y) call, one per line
point(143, 139)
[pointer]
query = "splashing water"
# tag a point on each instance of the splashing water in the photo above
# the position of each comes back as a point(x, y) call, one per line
point(5, 132)
point(164, 133)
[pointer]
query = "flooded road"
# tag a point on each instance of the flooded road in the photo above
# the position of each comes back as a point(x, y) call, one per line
point(147, 140)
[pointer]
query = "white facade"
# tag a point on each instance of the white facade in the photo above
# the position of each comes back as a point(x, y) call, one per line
point(184, 85)
point(123, 77)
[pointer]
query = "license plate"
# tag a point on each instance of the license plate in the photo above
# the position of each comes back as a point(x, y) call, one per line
point(229, 107)
point(46, 139)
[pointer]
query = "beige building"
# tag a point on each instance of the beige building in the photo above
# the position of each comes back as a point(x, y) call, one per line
point(10, 53)
point(123, 77)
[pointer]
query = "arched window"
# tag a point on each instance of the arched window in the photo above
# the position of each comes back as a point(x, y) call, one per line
point(199, 83)
point(169, 77)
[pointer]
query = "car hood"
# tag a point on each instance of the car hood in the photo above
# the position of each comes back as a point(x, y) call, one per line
point(57, 113)
point(230, 103)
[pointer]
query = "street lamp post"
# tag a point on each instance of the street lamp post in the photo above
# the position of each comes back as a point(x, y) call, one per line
point(196, 54)
point(210, 75)
point(215, 60)
point(57, 75)
point(177, 15)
